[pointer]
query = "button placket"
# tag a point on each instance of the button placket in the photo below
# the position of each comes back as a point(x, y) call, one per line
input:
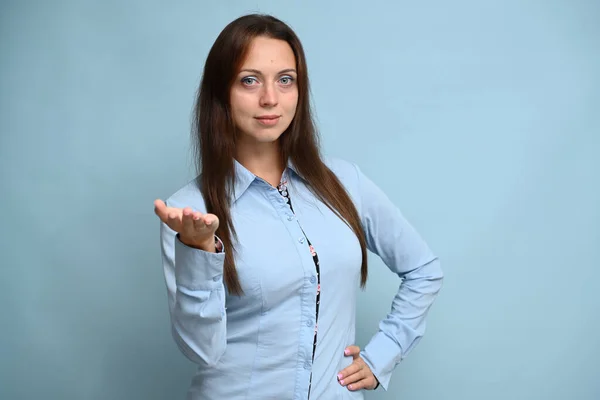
point(295, 229)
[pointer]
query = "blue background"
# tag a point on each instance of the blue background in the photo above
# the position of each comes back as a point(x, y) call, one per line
point(478, 118)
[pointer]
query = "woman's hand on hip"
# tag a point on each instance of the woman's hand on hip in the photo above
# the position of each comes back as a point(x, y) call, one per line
point(357, 375)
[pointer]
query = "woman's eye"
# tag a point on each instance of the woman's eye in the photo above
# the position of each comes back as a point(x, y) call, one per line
point(248, 80)
point(286, 80)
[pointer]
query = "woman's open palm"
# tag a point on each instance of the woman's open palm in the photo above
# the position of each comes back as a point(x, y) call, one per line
point(194, 228)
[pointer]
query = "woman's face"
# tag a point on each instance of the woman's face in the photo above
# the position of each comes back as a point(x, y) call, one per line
point(264, 95)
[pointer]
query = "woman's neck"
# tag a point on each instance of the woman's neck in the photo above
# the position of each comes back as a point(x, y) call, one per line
point(263, 160)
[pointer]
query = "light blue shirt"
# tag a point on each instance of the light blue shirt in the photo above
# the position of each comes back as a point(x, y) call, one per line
point(260, 345)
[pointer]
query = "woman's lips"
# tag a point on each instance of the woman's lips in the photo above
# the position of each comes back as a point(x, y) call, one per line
point(268, 120)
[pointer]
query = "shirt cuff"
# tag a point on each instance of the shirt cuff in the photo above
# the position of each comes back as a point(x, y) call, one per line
point(197, 269)
point(219, 245)
point(382, 354)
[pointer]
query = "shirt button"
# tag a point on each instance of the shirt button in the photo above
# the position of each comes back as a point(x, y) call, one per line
point(312, 279)
point(309, 323)
point(290, 218)
point(301, 240)
point(307, 365)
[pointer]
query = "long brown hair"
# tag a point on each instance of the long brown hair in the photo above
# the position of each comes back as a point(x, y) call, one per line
point(214, 136)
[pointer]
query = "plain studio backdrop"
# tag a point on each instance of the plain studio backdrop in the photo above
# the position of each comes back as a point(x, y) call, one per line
point(479, 119)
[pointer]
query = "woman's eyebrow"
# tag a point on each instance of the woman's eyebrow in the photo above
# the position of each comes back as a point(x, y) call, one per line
point(257, 72)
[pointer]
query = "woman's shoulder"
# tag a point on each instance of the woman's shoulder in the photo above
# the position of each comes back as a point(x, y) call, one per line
point(346, 171)
point(348, 174)
point(189, 195)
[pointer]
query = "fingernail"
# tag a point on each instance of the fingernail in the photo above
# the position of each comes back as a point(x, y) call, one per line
point(346, 352)
point(349, 386)
point(342, 382)
point(339, 376)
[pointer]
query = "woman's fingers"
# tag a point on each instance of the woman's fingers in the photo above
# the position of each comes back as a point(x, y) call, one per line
point(357, 375)
point(160, 209)
point(368, 382)
point(353, 378)
point(211, 221)
point(192, 224)
point(350, 370)
point(174, 220)
point(169, 215)
point(199, 225)
point(187, 221)
point(353, 351)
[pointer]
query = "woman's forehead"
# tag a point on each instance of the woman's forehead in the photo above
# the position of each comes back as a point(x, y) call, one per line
point(269, 55)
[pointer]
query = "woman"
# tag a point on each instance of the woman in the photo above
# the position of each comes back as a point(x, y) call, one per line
point(265, 251)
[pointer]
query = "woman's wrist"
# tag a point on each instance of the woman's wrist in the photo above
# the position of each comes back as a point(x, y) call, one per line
point(206, 245)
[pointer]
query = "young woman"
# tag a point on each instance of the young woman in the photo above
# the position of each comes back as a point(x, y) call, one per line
point(264, 252)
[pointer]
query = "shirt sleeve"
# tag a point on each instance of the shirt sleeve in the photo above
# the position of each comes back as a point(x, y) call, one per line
point(196, 295)
point(395, 241)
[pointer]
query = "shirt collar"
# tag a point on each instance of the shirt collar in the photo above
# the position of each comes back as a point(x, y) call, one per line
point(244, 178)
